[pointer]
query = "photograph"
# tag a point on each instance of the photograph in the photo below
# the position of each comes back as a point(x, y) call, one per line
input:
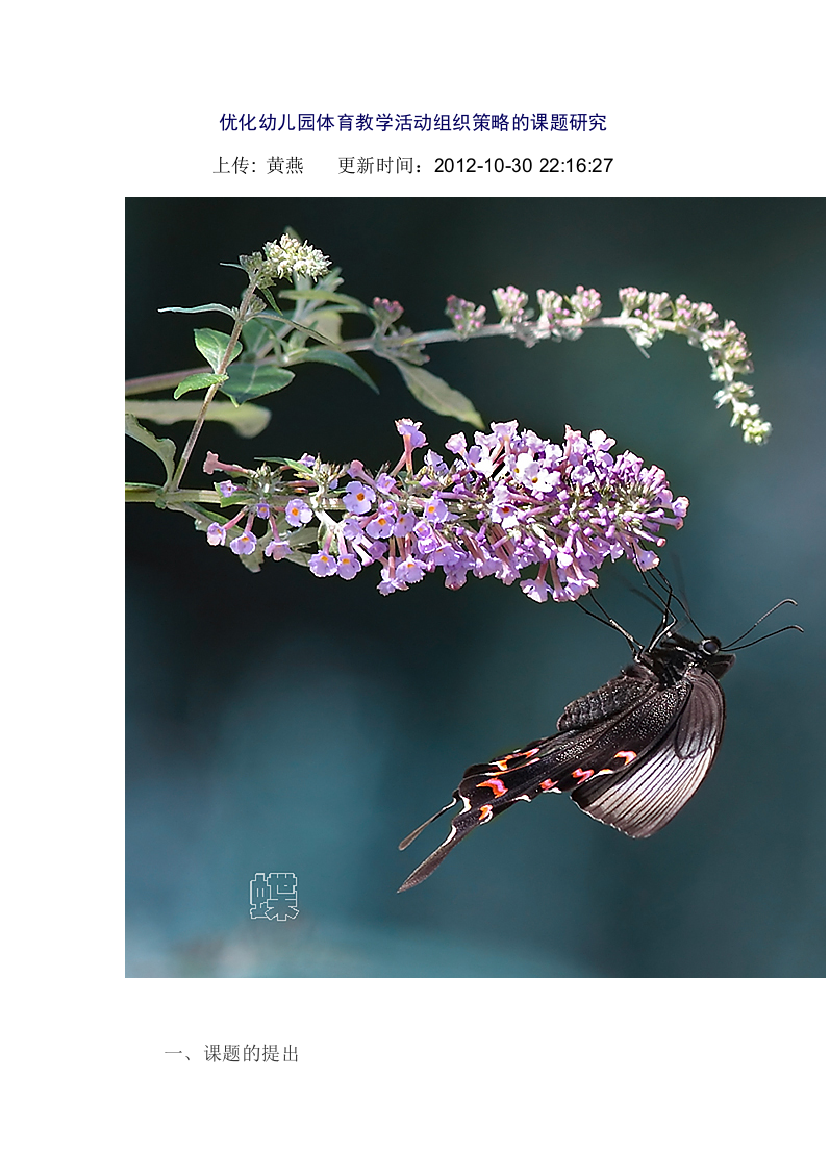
point(437, 506)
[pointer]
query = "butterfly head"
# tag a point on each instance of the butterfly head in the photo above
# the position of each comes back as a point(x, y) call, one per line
point(673, 654)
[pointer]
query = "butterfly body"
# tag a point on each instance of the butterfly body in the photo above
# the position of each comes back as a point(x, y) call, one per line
point(630, 753)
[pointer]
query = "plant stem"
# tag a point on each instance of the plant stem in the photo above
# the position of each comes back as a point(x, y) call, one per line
point(212, 391)
point(166, 381)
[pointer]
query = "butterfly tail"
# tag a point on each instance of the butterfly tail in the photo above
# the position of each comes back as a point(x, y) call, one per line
point(433, 861)
point(409, 839)
point(463, 822)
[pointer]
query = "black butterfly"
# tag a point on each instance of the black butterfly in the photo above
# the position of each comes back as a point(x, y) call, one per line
point(630, 754)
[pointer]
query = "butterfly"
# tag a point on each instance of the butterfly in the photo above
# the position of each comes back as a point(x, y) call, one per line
point(630, 754)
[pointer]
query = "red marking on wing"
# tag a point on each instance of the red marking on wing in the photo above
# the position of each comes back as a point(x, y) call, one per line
point(499, 788)
point(626, 755)
point(580, 774)
point(547, 784)
point(485, 813)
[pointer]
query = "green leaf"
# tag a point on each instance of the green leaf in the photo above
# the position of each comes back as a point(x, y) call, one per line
point(302, 558)
point(276, 316)
point(328, 324)
point(436, 394)
point(255, 559)
point(258, 337)
point(246, 381)
point(328, 297)
point(342, 360)
point(247, 420)
point(282, 462)
point(164, 448)
point(213, 345)
point(197, 381)
point(199, 308)
point(303, 537)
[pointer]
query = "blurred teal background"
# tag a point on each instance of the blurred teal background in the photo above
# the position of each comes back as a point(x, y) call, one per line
point(277, 722)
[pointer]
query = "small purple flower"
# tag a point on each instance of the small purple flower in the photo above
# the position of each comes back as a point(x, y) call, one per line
point(481, 462)
point(278, 548)
point(436, 463)
point(504, 432)
point(435, 510)
point(226, 488)
point(351, 528)
point(215, 534)
point(411, 430)
point(410, 570)
point(405, 525)
point(425, 538)
point(445, 557)
point(537, 589)
point(381, 526)
point(646, 559)
point(212, 464)
point(322, 564)
point(297, 513)
point(456, 575)
point(358, 498)
point(262, 510)
point(389, 583)
point(385, 483)
point(244, 544)
point(347, 566)
point(503, 511)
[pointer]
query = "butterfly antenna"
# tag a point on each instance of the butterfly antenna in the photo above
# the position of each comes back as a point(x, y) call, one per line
point(409, 839)
point(606, 620)
point(766, 636)
point(786, 601)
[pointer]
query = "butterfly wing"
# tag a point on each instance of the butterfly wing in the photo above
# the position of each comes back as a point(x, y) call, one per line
point(649, 793)
point(485, 791)
point(605, 732)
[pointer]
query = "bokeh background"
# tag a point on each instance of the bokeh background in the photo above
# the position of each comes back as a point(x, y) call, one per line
point(278, 722)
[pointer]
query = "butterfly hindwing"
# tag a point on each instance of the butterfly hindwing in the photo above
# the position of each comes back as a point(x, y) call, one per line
point(552, 764)
point(630, 753)
point(661, 781)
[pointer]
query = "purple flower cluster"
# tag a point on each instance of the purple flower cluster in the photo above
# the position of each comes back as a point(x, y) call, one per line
point(509, 503)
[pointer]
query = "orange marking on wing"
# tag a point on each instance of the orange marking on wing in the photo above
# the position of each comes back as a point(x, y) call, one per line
point(547, 784)
point(485, 813)
point(501, 764)
point(499, 788)
point(580, 774)
point(626, 755)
